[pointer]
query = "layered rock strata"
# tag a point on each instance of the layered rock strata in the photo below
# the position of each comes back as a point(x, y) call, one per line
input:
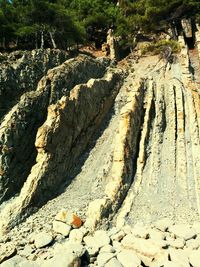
point(61, 140)
point(20, 125)
point(167, 176)
point(124, 154)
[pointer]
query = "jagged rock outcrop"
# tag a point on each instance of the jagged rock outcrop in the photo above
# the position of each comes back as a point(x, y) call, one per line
point(112, 45)
point(20, 72)
point(17, 137)
point(19, 127)
point(61, 139)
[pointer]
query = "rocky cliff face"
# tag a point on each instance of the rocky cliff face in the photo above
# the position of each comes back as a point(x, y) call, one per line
point(21, 71)
point(20, 125)
point(111, 149)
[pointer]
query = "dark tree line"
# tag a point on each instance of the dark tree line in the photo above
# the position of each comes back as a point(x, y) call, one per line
point(28, 24)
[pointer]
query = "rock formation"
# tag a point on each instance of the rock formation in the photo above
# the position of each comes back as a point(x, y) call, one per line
point(24, 119)
point(21, 71)
point(104, 148)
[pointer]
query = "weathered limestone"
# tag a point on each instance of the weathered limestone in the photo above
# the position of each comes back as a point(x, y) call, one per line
point(17, 137)
point(124, 154)
point(184, 61)
point(126, 141)
point(17, 157)
point(61, 139)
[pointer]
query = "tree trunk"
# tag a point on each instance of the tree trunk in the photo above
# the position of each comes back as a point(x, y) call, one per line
point(36, 41)
point(4, 43)
point(16, 42)
point(42, 39)
point(52, 40)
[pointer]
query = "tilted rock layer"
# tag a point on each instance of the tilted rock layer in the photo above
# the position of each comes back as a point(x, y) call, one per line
point(114, 154)
point(22, 122)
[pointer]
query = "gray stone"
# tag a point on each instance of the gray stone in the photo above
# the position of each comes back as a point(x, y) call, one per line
point(183, 230)
point(28, 264)
point(66, 260)
point(89, 241)
point(113, 231)
point(178, 256)
point(193, 243)
point(61, 228)
point(103, 258)
point(159, 243)
point(194, 258)
point(117, 245)
point(128, 258)
point(92, 251)
point(76, 235)
point(118, 236)
point(172, 264)
point(8, 250)
point(69, 248)
point(107, 248)
point(12, 262)
point(140, 231)
point(101, 238)
point(196, 227)
point(32, 109)
point(42, 239)
point(177, 243)
point(156, 234)
point(127, 229)
point(113, 263)
point(163, 224)
point(142, 246)
point(73, 247)
point(26, 251)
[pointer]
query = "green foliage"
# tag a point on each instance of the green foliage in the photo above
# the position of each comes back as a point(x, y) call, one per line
point(64, 23)
point(160, 47)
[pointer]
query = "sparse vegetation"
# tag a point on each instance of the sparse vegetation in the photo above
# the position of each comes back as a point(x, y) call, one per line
point(161, 47)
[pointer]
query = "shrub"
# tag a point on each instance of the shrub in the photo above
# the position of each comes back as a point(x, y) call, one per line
point(160, 47)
